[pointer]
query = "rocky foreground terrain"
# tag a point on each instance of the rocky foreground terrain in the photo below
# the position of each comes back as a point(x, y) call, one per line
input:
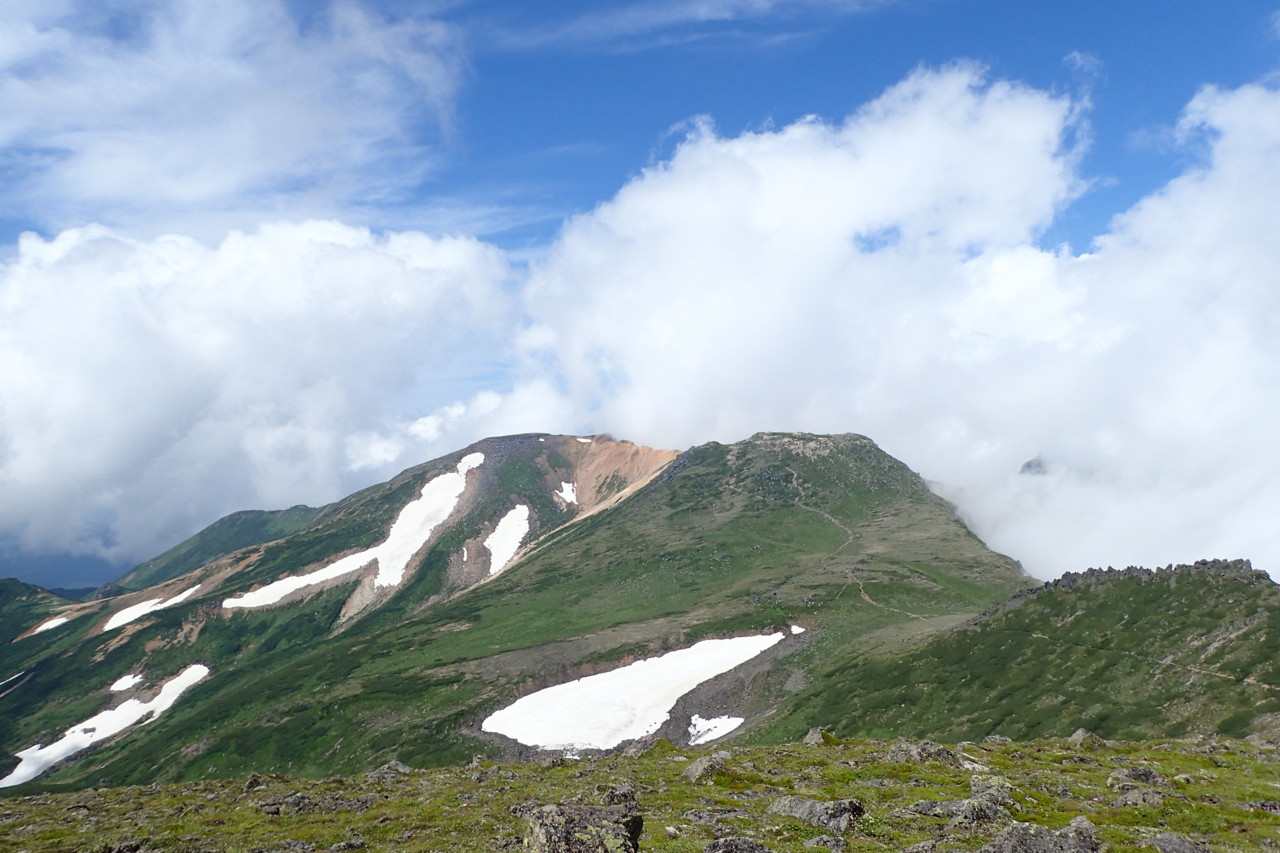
point(1075, 795)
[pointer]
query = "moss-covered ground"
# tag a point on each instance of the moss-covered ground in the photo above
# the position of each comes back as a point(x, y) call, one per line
point(1223, 793)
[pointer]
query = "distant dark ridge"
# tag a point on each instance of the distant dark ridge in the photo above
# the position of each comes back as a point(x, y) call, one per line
point(1090, 578)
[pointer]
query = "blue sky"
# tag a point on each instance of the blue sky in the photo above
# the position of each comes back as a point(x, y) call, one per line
point(276, 251)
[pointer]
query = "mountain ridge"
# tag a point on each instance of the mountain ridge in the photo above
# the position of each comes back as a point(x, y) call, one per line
point(628, 554)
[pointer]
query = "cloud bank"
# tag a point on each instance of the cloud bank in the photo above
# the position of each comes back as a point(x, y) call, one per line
point(151, 386)
point(882, 274)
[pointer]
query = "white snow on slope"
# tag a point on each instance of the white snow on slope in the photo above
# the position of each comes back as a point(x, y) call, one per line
point(411, 529)
point(796, 629)
point(52, 623)
point(137, 611)
point(703, 731)
point(39, 758)
point(585, 440)
point(125, 682)
point(12, 677)
point(601, 711)
point(505, 539)
point(568, 493)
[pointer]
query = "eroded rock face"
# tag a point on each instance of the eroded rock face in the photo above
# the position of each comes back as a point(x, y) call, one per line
point(833, 816)
point(584, 829)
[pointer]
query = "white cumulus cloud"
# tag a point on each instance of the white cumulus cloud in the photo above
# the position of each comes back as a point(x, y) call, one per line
point(142, 113)
point(882, 275)
point(150, 386)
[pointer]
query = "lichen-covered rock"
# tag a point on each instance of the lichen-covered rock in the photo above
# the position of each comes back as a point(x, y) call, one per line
point(923, 847)
point(390, 770)
point(710, 817)
point(1128, 778)
point(584, 829)
point(990, 801)
point(833, 816)
point(702, 769)
point(1079, 836)
point(995, 789)
point(1085, 739)
point(1167, 842)
point(1139, 797)
point(925, 750)
point(735, 845)
point(620, 794)
point(828, 841)
point(814, 737)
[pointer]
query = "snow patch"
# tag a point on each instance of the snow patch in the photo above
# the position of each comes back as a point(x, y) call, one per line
point(505, 539)
point(601, 711)
point(12, 677)
point(52, 623)
point(703, 731)
point(125, 682)
point(413, 527)
point(137, 611)
point(585, 440)
point(568, 493)
point(796, 629)
point(39, 758)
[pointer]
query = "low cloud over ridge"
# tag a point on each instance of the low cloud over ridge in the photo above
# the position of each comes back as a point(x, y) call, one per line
point(881, 275)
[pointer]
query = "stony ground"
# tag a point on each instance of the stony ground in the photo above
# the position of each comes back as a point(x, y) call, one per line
point(1172, 797)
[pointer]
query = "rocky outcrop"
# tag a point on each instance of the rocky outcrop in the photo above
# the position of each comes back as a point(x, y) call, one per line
point(833, 816)
point(925, 750)
point(735, 845)
point(584, 829)
point(1079, 836)
point(704, 768)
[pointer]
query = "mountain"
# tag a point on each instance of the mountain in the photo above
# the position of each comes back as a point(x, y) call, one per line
point(749, 590)
point(1133, 653)
point(232, 533)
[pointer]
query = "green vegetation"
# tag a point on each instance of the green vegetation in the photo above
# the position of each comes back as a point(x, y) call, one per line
point(1129, 654)
point(1217, 792)
point(828, 533)
point(225, 536)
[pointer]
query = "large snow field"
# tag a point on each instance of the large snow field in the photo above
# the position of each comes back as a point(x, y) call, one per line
point(39, 758)
point(51, 623)
point(601, 711)
point(703, 731)
point(505, 539)
point(137, 611)
point(412, 527)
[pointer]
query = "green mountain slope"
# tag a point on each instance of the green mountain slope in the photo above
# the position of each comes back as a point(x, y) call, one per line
point(232, 533)
point(1126, 654)
point(828, 533)
point(23, 606)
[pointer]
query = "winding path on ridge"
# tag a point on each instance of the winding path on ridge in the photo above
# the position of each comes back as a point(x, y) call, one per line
point(849, 536)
